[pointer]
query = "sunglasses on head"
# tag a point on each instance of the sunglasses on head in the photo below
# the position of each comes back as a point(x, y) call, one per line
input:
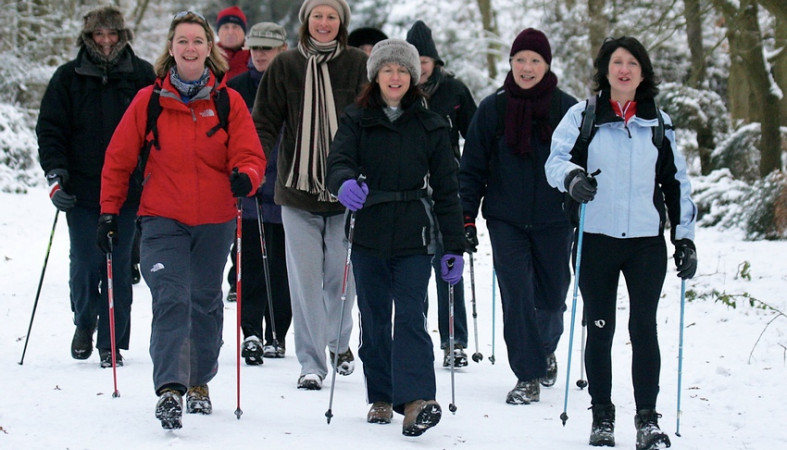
point(183, 14)
point(261, 48)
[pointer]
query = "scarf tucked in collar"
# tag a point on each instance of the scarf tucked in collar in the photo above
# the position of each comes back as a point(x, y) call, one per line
point(188, 89)
point(524, 107)
point(318, 122)
point(434, 81)
point(97, 56)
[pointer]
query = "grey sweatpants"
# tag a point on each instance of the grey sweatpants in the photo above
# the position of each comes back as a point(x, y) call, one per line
point(184, 266)
point(316, 251)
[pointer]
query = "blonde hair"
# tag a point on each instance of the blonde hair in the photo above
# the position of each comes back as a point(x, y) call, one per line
point(215, 61)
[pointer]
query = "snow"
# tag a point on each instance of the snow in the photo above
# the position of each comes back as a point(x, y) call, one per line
point(732, 398)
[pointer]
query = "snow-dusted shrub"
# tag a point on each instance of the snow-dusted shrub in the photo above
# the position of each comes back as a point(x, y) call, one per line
point(18, 167)
point(767, 208)
point(720, 199)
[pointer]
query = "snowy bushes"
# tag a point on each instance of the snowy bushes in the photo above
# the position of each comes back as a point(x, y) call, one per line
point(18, 166)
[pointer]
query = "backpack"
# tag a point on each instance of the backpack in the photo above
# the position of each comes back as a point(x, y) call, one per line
point(221, 100)
point(579, 153)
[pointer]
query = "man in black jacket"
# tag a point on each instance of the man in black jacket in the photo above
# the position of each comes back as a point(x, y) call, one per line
point(82, 105)
point(451, 99)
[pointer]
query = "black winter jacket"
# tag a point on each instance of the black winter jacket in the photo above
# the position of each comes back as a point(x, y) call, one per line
point(80, 109)
point(399, 157)
point(453, 101)
point(514, 189)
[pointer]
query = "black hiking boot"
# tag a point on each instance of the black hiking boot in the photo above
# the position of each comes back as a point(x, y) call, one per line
point(82, 343)
point(649, 435)
point(169, 409)
point(551, 378)
point(460, 357)
point(252, 351)
point(524, 393)
point(602, 433)
point(106, 358)
point(135, 275)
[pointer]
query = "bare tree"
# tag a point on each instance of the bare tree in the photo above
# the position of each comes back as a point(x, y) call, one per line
point(490, 29)
point(694, 38)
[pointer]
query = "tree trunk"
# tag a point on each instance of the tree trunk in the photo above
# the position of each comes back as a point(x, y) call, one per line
point(598, 25)
point(779, 65)
point(694, 38)
point(489, 29)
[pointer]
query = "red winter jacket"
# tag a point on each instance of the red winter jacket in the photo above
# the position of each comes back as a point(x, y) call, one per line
point(237, 60)
point(188, 178)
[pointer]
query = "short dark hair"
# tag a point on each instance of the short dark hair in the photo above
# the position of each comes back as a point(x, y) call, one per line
point(648, 88)
point(371, 96)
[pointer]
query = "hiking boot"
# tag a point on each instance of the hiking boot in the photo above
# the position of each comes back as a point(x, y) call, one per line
point(232, 296)
point(82, 343)
point(419, 416)
point(602, 433)
point(551, 378)
point(345, 365)
point(649, 435)
point(524, 393)
point(251, 350)
point(135, 275)
point(198, 400)
point(380, 412)
point(460, 357)
point(310, 382)
point(106, 358)
point(273, 351)
point(169, 409)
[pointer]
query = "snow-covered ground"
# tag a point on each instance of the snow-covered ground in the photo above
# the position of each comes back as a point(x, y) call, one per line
point(733, 394)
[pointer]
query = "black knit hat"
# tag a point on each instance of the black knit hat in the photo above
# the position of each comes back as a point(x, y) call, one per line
point(421, 37)
point(365, 36)
point(533, 40)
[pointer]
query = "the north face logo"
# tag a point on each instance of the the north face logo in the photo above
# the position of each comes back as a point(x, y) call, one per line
point(207, 113)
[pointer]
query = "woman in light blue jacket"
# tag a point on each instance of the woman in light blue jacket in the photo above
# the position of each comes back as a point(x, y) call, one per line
point(638, 188)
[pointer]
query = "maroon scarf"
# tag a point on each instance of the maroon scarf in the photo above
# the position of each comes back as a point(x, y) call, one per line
point(526, 106)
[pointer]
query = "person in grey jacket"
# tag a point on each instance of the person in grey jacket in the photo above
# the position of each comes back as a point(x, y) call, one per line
point(628, 203)
point(82, 105)
point(305, 90)
point(401, 148)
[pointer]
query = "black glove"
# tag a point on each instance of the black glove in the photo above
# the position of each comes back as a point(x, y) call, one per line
point(580, 186)
point(471, 235)
point(685, 258)
point(57, 178)
point(107, 230)
point(240, 184)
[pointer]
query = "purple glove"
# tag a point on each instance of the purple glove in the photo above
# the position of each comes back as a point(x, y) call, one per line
point(451, 267)
point(352, 195)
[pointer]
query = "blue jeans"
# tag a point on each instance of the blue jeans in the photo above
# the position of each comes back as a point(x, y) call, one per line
point(398, 363)
point(88, 272)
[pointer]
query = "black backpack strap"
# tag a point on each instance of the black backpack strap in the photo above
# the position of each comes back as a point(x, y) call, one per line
point(658, 132)
point(501, 101)
point(151, 133)
point(579, 154)
point(221, 99)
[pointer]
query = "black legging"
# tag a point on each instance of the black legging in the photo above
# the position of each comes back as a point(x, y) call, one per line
point(643, 262)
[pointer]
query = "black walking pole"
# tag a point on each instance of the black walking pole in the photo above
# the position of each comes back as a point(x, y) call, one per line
point(267, 270)
point(40, 282)
point(477, 356)
point(452, 405)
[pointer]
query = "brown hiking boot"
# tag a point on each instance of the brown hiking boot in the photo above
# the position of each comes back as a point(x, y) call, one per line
point(345, 364)
point(419, 416)
point(380, 412)
point(198, 400)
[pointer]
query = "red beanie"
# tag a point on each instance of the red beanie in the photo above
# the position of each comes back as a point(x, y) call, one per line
point(232, 14)
point(533, 40)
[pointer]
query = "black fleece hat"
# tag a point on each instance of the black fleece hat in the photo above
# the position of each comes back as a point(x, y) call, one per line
point(421, 37)
point(365, 36)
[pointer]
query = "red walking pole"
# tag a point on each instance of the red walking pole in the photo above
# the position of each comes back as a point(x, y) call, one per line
point(111, 299)
point(238, 234)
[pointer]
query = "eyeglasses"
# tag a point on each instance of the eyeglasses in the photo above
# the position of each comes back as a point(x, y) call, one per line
point(261, 48)
point(183, 14)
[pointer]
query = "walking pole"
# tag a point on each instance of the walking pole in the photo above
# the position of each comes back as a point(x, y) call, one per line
point(40, 282)
point(494, 290)
point(680, 350)
point(329, 412)
point(238, 235)
point(477, 356)
point(267, 270)
point(111, 299)
point(582, 382)
point(580, 230)
point(452, 405)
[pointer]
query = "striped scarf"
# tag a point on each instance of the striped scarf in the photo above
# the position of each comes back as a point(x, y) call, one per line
point(318, 122)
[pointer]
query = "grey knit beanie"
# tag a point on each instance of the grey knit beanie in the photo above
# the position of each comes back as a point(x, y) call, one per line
point(394, 51)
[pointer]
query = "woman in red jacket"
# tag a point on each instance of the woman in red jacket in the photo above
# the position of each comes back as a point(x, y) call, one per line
point(187, 208)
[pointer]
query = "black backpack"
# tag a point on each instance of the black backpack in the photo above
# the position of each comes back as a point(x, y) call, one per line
point(221, 100)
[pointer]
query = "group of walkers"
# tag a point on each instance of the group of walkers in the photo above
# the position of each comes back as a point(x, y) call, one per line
point(346, 149)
